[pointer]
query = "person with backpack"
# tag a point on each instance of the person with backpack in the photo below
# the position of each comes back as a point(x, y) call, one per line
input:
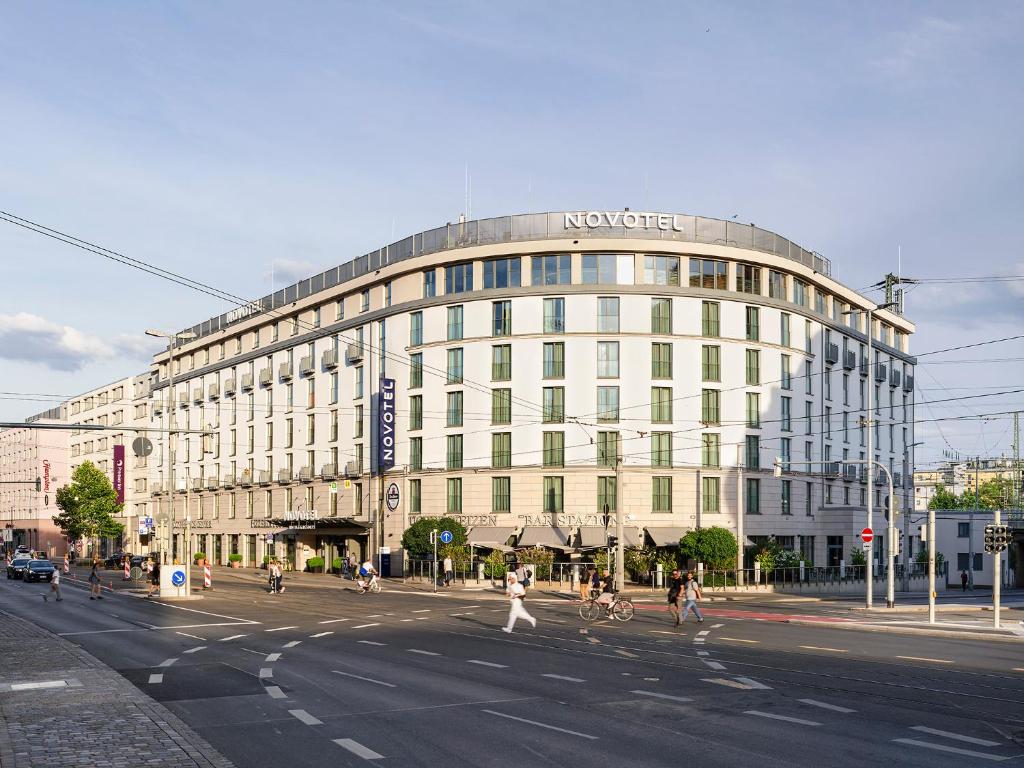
point(691, 591)
point(675, 594)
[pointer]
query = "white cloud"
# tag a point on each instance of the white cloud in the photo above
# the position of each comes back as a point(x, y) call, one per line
point(927, 42)
point(30, 338)
point(285, 272)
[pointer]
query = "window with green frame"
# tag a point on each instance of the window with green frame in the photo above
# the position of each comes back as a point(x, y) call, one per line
point(554, 405)
point(501, 494)
point(554, 449)
point(502, 318)
point(554, 315)
point(661, 494)
point(501, 362)
point(784, 336)
point(415, 329)
point(753, 451)
point(455, 365)
point(553, 499)
point(709, 494)
point(454, 494)
point(415, 496)
point(606, 494)
point(554, 360)
point(753, 367)
point(787, 374)
point(661, 360)
point(607, 445)
point(754, 410)
point(661, 405)
point(753, 496)
point(753, 324)
point(501, 406)
point(709, 314)
point(709, 406)
point(454, 414)
point(710, 449)
point(416, 453)
point(416, 412)
point(661, 315)
point(661, 449)
point(608, 405)
point(501, 450)
point(710, 363)
point(416, 370)
point(455, 323)
point(454, 453)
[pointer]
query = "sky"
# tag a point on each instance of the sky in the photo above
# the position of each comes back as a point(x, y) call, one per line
point(250, 144)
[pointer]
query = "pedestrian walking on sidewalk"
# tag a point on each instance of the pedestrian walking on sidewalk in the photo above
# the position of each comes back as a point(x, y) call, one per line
point(272, 576)
point(675, 595)
point(585, 584)
point(94, 582)
point(516, 594)
point(54, 586)
point(449, 572)
point(691, 591)
point(154, 578)
point(964, 578)
point(278, 576)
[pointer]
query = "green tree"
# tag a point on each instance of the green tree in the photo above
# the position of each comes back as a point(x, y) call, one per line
point(715, 547)
point(416, 539)
point(858, 556)
point(946, 499)
point(992, 494)
point(639, 561)
point(88, 505)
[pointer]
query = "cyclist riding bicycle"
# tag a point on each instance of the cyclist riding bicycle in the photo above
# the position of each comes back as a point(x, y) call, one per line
point(607, 596)
point(368, 576)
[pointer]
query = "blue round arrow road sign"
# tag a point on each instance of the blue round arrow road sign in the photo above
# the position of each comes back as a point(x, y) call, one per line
point(446, 537)
point(178, 578)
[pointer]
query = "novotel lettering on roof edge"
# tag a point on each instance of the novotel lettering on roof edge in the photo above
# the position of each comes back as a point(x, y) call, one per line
point(386, 425)
point(626, 219)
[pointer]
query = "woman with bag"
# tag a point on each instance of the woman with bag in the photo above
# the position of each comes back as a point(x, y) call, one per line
point(94, 582)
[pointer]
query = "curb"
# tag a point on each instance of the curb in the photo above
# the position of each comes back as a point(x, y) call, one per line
point(956, 635)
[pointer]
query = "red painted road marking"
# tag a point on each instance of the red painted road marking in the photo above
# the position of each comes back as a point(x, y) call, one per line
point(733, 614)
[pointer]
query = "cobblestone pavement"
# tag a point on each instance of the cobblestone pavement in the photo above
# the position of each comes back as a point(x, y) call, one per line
point(97, 719)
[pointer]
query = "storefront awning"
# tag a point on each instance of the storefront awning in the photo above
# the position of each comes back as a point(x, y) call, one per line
point(491, 536)
point(667, 536)
point(592, 537)
point(545, 536)
point(323, 525)
point(631, 537)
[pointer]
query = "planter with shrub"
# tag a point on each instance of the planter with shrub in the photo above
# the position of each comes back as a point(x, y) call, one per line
point(200, 558)
point(314, 564)
point(235, 560)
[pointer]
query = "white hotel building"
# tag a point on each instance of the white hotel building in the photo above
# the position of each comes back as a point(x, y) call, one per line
point(525, 352)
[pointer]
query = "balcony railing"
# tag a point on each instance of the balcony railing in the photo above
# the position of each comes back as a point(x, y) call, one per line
point(183, 399)
point(229, 481)
point(863, 366)
point(263, 477)
point(849, 360)
point(832, 353)
point(156, 489)
point(284, 476)
point(246, 382)
point(354, 353)
point(908, 383)
point(831, 469)
point(306, 366)
point(894, 378)
point(211, 483)
point(351, 469)
point(246, 479)
point(214, 390)
point(306, 474)
point(266, 377)
point(849, 472)
point(329, 358)
point(284, 371)
point(329, 471)
point(880, 372)
point(197, 483)
point(229, 387)
point(197, 395)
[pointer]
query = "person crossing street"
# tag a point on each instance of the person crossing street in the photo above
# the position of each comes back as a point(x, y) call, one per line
point(675, 595)
point(516, 594)
point(691, 591)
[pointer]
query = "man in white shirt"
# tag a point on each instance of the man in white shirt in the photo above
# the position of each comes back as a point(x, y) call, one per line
point(55, 585)
point(368, 575)
point(449, 572)
point(516, 594)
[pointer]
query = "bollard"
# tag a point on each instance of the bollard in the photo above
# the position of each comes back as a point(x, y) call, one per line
point(127, 570)
point(207, 579)
point(67, 565)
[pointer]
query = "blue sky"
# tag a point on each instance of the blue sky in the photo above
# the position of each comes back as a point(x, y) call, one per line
point(219, 139)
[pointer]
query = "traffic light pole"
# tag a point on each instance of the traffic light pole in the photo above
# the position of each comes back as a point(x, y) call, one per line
point(997, 576)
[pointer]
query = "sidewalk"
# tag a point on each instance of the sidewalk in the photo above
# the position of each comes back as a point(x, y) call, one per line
point(79, 712)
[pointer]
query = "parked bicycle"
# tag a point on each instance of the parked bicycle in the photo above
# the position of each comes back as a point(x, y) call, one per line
point(619, 608)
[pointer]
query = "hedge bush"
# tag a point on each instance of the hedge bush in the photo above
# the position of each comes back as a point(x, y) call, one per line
point(234, 558)
point(314, 563)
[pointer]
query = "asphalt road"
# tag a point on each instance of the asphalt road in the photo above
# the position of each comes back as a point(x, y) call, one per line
point(323, 676)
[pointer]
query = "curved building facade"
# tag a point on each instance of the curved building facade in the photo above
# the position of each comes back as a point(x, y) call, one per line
point(530, 374)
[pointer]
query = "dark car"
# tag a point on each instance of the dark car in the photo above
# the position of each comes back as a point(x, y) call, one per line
point(116, 560)
point(38, 570)
point(17, 567)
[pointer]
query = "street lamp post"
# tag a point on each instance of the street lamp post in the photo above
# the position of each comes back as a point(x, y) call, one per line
point(908, 483)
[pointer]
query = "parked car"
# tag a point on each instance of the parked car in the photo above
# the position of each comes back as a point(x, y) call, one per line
point(17, 567)
point(38, 570)
point(116, 559)
point(21, 550)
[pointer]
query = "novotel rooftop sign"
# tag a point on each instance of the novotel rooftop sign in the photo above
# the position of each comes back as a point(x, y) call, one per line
point(666, 222)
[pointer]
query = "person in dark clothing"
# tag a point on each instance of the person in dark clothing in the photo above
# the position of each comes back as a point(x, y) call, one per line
point(964, 578)
point(675, 595)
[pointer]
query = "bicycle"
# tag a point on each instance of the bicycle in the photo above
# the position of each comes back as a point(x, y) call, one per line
point(620, 608)
point(372, 586)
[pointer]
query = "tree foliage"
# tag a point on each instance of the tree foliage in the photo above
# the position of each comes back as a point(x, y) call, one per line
point(416, 539)
point(715, 547)
point(996, 493)
point(88, 505)
point(540, 558)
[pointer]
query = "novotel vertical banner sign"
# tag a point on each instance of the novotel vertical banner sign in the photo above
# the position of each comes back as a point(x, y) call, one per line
point(386, 425)
point(119, 472)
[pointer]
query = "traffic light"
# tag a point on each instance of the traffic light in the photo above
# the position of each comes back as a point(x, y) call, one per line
point(1001, 537)
point(990, 539)
point(39, 484)
point(613, 541)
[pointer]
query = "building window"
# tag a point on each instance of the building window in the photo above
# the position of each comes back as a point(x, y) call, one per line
point(550, 270)
point(554, 449)
point(819, 302)
point(454, 415)
point(709, 494)
point(785, 499)
point(661, 494)
point(554, 360)
point(429, 284)
point(501, 406)
point(502, 273)
point(553, 494)
point(753, 451)
point(458, 278)
point(416, 412)
point(661, 449)
point(661, 270)
point(661, 405)
point(416, 370)
point(753, 496)
point(554, 315)
point(784, 337)
point(710, 363)
point(748, 279)
point(710, 450)
point(415, 329)
point(753, 410)
point(753, 324)
point(709, 406)
point(707, 273)
point(607, 359)
point(501, 494)
point(661, 360)
point(608, 404)
point(357, 389)
point(808, 496)
point(357, 421)
point(455, 323)
point(787, 416)
point(963, 531)
point(606, 495)
point(776, 285)
point(554, 405)
point(787, 376)
point(455, 365)
point(501, 450)
point(799, 292)
point(454, 495)
point(607, 315)
point(661, 315)
point(501, 324)
point(807, 337)
point(501, 362)
point(753, 367)
point(709, 318)
point(415, 496)
point(453, 458)
point(607, 445)
point(600, 269)
point(364, 300)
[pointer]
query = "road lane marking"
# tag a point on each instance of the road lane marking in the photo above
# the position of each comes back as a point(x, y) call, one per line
point(194, 637)
point(821, 648)
point(332, 621)
point(405, 619)
point(454, 614)
point(704, 632)
point(322, 634)
point(754, 684)
point(278, 629)
point(824, 705)
point(375, 616)
point(364, 626)
point(424, 653)
point(703, 653)
point(421, 610)
point(156, 678)
point(275, 692)
point(370, 642)
point(232, 637)
point(166, 662)
point(715, 665)
point(786, 718)
point(488, 664)
point(665, 696)
point(539, 725)
point(717, 626)
point(422, 618)
point(304, 717)
point(925, 658)
point(273, 656)
point(292, 644)
point(266, 672)
point(738, 640)
point(957, 736)
point(737, 683)
point(664, 632)
point(194, 650)
point(627, 654)
point(366, 679)
point(358, 749)
point(952, 750)
point(566, 678)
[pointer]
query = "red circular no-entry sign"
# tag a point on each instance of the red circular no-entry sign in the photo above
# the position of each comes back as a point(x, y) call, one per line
point(867, 535)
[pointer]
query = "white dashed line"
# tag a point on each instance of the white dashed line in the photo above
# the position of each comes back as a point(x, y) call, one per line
point(488, 664)
point(665, 696)
point(421, 610)
point(279, 629)
point(156, 678)
point(539, 725)
point(825, 705)
point(275, 692)
point(754, 684)
point(925, 658)
point(593, 640)
point(358, 749)
point(364, 626)
point(367, 679)
point(292, 644)
point(717, 626)
point(733, 683)
point(194, 637)
point(166, 662)
point(273, 656)
point(232, 637)
point(627, 654)
point(322, 634)
point(423, 653)
point(422, 618)
point(370, 642)
point(304, 717)
point(715, 665)
point(820, 648)
point(952, 750)
point(773, 716)
point(702, 653)
point(332, 621)
point(738, 640)
point(704, 632)
point(266, 672)
point(957, 736)
point(405, 619)
point(194, 650)
point(566, 678)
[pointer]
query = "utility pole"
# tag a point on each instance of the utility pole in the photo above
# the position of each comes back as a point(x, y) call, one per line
point(620, 546)
point(869, 568)
point(970, 526)
point(740, 510)
point(997, 575)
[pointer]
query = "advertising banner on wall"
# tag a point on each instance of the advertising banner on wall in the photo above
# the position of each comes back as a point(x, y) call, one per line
point(386, 425)
point(119, 472)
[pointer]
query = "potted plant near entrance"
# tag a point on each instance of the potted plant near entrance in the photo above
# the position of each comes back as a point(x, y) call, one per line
point(200, 559)
point(235, 560)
